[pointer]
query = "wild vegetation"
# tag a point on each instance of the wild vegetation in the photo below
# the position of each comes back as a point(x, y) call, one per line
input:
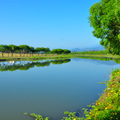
point(92, 52)
point(107, 107)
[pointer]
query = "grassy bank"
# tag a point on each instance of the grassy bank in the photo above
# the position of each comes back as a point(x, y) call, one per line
point(16, 56)
point(107, 107)
point(35, 56)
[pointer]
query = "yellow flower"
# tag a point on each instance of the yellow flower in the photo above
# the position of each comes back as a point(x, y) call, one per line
point(89, 118)
point(115, 113)
point(74, 119)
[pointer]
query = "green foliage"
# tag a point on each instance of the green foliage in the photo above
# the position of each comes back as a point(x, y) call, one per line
point(57, 51)
point(4, 48)
point(37, 116)
point(60, 51)
point(105, 19)
point(13, 48)
point(92, 52)
point(65, 51)
point(42, 49)
point(32, 49)
point(28, 49)
point(46, 49)
point(25, 113)
point(107, 107)
point(104, 82)
point(24, 48)
point(38, 49)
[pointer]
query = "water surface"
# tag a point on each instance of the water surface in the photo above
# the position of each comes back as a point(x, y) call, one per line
point(50, 87)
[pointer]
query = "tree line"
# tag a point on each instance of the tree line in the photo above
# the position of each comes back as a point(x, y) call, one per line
point(29, 49)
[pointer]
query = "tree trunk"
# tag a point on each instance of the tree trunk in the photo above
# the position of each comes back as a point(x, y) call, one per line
point(2, 54)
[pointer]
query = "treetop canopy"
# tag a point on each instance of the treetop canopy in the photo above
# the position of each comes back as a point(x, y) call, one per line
point(105, 19)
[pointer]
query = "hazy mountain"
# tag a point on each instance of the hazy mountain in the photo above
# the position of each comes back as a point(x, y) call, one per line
point(88, 49)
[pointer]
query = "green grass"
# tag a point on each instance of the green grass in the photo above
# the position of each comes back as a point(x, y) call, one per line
point(93, 55)
point(92, 52)
point(107, 107)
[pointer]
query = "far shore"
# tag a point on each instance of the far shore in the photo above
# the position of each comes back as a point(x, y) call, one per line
point(28, 56)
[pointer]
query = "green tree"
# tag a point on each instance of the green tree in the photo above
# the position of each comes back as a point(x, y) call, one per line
point(105, 19)
point(38, 49)
point(13, 48)
point(57, 51)
point(4, 48)
point(32, 49)
point(24, 48)
point(65, 51)
point(47, 50)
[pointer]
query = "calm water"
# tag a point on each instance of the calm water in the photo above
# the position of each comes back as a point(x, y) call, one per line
point(50, 87)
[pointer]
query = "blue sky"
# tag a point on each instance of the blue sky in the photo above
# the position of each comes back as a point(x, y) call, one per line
point(46, 23)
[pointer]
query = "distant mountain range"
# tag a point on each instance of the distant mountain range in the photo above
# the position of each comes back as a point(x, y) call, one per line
point(88, 49)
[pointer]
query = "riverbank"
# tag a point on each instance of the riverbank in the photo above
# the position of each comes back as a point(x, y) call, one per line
point(35, 57)
point(107, 107)
point(56, 56)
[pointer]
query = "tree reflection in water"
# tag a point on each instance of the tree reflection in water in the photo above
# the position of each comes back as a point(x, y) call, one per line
point(25, 65)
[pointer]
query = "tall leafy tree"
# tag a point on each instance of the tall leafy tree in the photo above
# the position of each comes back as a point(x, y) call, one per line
point(38, 49)
point(32, 49)
point(105, 19)
point(57, 51)
point(47, 50)
point(4, 48)
point(24, 48)
point(66, 51)
point(13, 48)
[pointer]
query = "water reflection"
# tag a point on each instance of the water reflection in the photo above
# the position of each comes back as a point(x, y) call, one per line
point(50, 91)
point(112, 61)
point(26, 65)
